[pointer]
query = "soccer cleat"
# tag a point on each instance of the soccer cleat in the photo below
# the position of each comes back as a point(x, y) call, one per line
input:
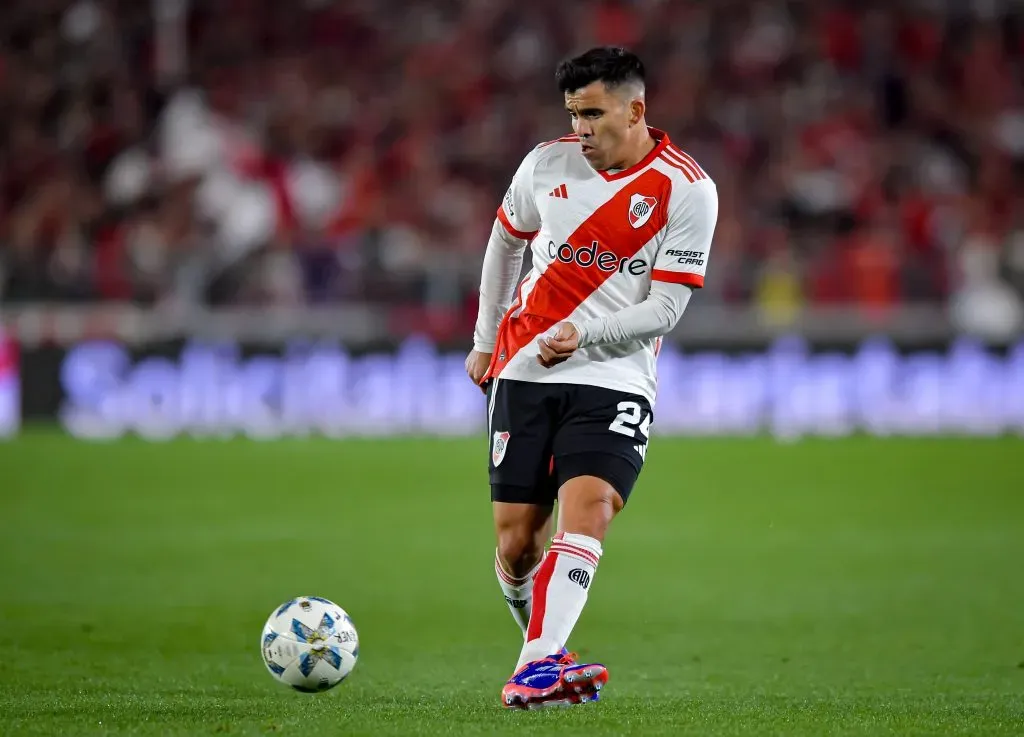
point(584, 681)
point(542, 683)
point(537, 683)
point(570, 659)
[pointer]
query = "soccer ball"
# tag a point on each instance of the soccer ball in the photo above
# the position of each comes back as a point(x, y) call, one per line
point(310, 644)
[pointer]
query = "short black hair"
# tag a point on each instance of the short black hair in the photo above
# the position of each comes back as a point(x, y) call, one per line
point(612, 65)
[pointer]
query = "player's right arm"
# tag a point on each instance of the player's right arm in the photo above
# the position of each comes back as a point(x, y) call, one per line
point(516, 224)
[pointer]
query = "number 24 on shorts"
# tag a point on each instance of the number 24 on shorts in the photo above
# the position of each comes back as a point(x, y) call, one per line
point(631, 418)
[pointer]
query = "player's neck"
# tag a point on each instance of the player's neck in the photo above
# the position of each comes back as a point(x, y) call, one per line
point(637, 152)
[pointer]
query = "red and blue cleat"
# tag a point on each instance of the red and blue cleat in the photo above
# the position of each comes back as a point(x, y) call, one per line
point(557, 680)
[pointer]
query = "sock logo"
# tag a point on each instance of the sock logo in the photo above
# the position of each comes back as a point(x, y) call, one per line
point(515, 603)
point(578, 575)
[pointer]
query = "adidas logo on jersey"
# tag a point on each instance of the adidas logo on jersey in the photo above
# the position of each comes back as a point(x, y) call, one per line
point(559, 191)
point(641, 450)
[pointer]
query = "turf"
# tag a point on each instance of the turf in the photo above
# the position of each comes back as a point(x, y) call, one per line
point(828, 587)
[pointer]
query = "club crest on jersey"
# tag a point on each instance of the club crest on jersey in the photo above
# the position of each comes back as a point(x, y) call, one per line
point(641, 208)
point(498, 447)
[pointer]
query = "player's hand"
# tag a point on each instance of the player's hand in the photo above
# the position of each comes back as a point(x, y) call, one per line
point(476, 367)
point(557, 348)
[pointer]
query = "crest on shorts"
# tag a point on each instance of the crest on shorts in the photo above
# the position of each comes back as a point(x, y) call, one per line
point(498, 447)
point(641, 207)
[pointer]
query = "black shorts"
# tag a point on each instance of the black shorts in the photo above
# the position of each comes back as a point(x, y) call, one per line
point(542, 435)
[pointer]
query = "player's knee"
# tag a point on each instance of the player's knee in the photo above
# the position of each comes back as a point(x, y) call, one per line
point(606, 501)
point(519, 548)
point(588, 506)
point(593, 515)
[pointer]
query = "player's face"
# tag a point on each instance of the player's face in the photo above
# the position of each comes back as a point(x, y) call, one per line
point(601, 118)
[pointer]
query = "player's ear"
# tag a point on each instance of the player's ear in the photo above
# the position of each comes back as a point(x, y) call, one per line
point(636, 111)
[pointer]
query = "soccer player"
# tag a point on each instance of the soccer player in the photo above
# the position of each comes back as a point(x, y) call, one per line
point(619, 222)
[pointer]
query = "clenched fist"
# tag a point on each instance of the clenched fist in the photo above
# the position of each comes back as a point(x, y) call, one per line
point(560, 346)
point(476, 367)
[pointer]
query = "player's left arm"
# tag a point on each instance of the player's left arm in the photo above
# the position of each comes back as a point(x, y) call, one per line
point(653, 317)
point(678, 269)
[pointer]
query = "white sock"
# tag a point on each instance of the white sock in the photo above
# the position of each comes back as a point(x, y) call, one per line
point(518, 593)
point(560, 592)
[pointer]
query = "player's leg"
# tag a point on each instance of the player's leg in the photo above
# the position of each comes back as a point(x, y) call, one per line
point(599, 451)
point(522, 487)
point(522, 530)
point(586, 506)
point(523, 492)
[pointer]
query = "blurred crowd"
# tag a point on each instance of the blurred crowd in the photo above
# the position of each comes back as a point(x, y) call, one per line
point(256, 151)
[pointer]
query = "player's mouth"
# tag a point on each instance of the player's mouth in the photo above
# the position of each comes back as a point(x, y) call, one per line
point(586, 148)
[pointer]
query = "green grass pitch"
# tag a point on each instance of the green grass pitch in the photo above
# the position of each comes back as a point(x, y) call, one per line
point(824, 587)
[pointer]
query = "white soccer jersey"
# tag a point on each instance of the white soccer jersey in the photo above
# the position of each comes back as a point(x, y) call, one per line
point(598, 239)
